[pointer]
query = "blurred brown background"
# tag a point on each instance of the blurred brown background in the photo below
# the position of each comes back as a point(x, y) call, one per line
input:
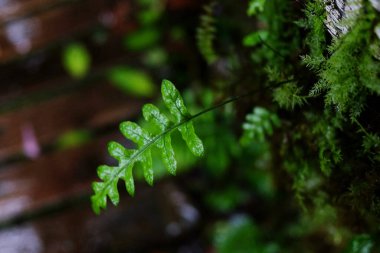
point(54, 130)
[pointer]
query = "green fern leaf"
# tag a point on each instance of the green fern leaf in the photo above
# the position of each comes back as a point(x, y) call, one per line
point(174, 103)
point(145, 140)
point(153, 115)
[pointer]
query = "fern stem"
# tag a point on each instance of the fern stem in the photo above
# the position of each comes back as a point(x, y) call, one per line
point(361, 127)
point(271, 48)
point(133, 158)
point(167, 131)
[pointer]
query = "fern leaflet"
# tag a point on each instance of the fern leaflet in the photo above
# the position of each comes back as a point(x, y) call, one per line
point(159, 138)
point(259, 124)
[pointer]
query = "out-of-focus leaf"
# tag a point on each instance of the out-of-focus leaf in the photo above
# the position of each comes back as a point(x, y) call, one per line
point(239, 235)
point(254, 38)
point(142, 39)
point(132, 81)
point(226, 199)
point(255, 6)
point(73, 138)
point(177, 33)
point(76, 60)
point(360, 244)
point(258, 125)
point(155, 57)
point(150, 12)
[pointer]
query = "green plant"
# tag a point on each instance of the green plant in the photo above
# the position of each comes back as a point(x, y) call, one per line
point(206, 34)
point(131, 81)
point(76, 60)
point(320, 165)
point(361, 244)
point(289, 96)
point(259, 124)
point(241, 235)
point(160, 138)
point(255, 6)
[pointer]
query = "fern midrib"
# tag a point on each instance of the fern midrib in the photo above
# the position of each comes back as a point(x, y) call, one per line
point(175, 98)
point(161, 135)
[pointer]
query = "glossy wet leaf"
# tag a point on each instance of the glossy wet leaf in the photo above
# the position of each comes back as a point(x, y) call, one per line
point(117, 151)
point(192, 140)
point(174, 102)
point(135, 133)
point(153, 115)
point(159, 137)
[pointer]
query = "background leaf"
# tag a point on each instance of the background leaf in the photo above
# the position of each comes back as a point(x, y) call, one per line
point(76, 60)
point(132, 81)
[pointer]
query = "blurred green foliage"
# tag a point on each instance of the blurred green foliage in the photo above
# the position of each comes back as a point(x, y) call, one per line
point(132, 81)
point(259, 124)
point(76, 60)
point(225, 200)
point(206, 34)
point(142, 39)
point(151, 11)
point(255, 6)
point(255, 38)
point(360, 244)
point(74, 138)
point(241, 235)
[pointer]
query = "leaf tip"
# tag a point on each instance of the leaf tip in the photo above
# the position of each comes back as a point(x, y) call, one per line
point(130, 185)
point(166, 82)
point(149, 177)
point(197, 147)
point(94, 205)
point(166, 85)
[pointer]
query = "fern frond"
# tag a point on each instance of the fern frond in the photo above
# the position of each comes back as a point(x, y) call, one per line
point(313, 62)
point(316, 39)
point(259, 124)
point(206, 34)
point(145, 141)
